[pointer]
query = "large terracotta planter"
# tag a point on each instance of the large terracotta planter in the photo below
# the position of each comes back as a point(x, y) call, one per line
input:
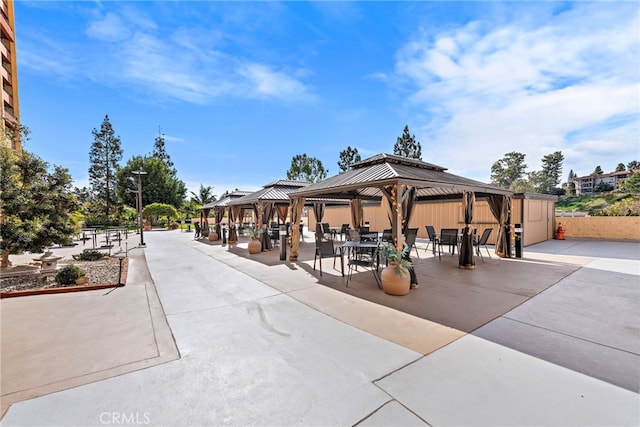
point(213, 236)
point(255, 246)
point(393, 283)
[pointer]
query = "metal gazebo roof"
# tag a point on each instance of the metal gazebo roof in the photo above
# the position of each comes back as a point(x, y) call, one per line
point(278, 192)
point(224, 202)
point(365, 179)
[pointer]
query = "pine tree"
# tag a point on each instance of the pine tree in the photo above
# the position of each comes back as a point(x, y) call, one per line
point(407, 146)
point(305, 168)
point(159, 152)
point(597, 171)
point(348, 157)
point(551, 171)
point(104, 157)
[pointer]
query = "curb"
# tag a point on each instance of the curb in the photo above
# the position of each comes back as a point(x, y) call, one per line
point(28, 292)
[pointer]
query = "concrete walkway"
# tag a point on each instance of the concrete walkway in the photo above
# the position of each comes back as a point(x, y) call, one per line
point(300, 353)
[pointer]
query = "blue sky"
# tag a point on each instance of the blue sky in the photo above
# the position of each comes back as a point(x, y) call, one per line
point(239, 88)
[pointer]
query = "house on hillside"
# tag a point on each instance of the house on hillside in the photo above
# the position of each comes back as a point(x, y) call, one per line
point(586, 184)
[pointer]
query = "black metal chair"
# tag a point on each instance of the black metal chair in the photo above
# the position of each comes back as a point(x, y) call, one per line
point(197, 234)
point(448, 237)
point(368, 259)
point(410, 235)
point(326, 249)
point(344, 231)
point(482, 241)
point(433, 238)
point(274, 234)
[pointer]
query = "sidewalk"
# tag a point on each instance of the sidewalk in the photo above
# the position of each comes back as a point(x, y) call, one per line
point(254, 354)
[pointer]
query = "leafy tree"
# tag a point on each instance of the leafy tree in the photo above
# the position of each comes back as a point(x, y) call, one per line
point(35, 204)
point(104, 157)
point(507, 170)
point(348, 157)
point(15, 135)
point(407, 146)
point(597, 171)
point(304, 168)
point(159, 152)
point(621, 167)
point(523, 185)
point(158, 185)
point(633, 165)
point(551, 171)
point(156, 210)
point(190, 209)
point(205, 195)
point(631, 184)
point(602, 187)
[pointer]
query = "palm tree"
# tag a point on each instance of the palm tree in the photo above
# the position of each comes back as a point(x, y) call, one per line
point(205, 195)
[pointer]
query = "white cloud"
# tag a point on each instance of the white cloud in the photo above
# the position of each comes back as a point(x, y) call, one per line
point(108, 28)
point(125, 47)
point(488, 89)
point(266, 82)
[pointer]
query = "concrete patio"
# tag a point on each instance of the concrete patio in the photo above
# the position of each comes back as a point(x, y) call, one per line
point(551, 339)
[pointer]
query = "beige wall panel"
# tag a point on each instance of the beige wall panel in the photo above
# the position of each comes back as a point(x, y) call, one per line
point(601, 227)
point(539, 224)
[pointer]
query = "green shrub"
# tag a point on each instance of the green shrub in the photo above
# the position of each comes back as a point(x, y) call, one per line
point(68, 274)
point(91, 255)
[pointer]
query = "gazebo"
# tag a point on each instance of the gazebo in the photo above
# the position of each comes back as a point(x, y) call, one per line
point(274, 198)
point(219, 207)
point(401, 181)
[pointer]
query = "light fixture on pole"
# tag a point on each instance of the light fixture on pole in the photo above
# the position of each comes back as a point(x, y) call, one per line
point(140, 173)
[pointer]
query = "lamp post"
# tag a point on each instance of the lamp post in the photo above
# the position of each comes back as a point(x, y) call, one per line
point(139, 197)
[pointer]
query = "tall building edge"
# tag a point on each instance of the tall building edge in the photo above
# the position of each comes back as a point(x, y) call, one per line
point(9, 70)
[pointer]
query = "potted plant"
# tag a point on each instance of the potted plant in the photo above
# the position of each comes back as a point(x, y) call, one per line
point(254, 243)
point(395, 276)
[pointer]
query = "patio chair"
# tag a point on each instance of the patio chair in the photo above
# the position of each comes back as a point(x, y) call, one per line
point(433, 239)
point(367, 260)
point(448, 237)
point(482, 241)
point(344, 231)
point(326, 249)
point(387, 235)
point(274, 234)
point(197, 233)
point(410, 239)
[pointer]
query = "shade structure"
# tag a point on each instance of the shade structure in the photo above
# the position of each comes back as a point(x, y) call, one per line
point(405, 180)
point(274, 198)
point(219, 208)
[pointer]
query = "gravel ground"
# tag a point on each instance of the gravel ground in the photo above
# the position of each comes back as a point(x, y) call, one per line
point(104, 271)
